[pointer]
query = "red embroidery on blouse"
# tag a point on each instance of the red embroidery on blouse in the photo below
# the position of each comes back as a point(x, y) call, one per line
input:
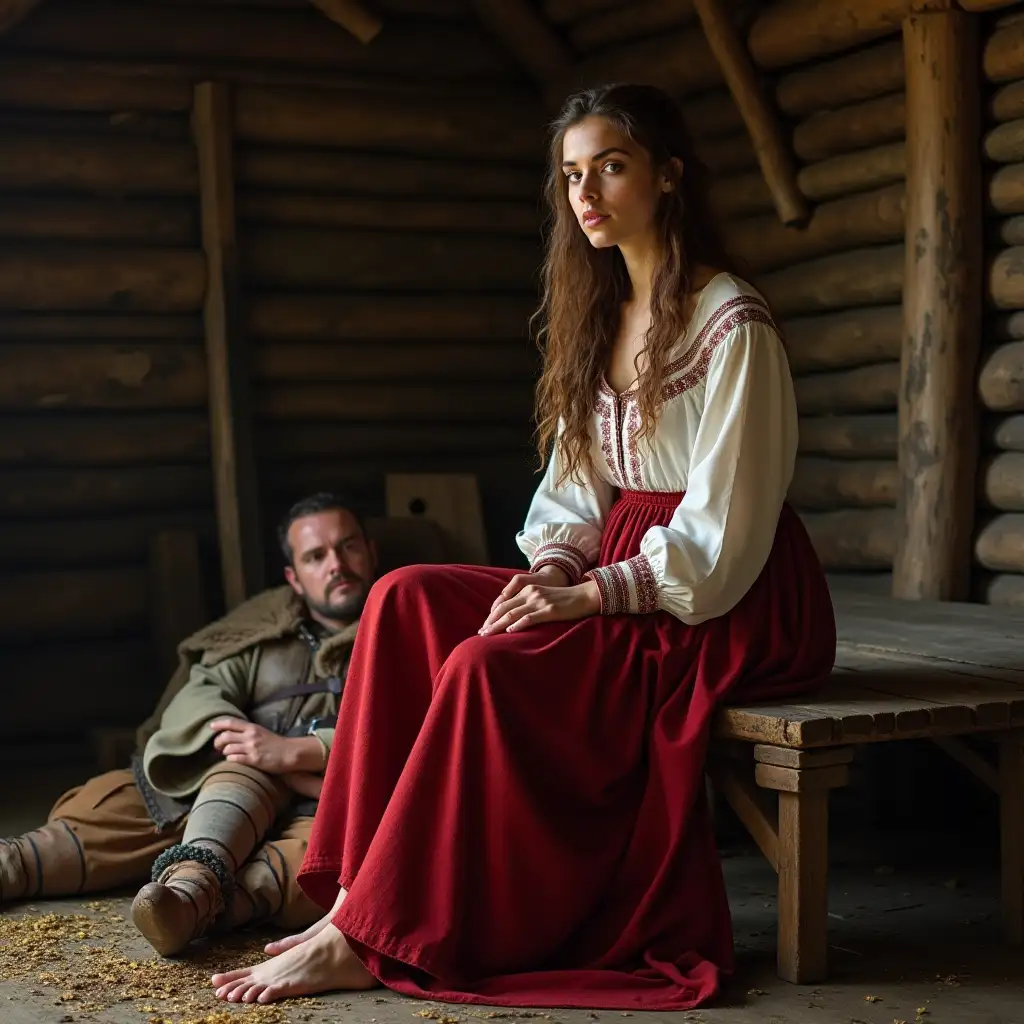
point(646, 584)
point(565, 556)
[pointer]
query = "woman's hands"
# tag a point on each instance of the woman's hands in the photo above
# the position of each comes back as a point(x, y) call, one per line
point(543, 596)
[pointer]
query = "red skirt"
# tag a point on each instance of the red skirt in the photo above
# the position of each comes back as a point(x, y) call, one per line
point(520, 819)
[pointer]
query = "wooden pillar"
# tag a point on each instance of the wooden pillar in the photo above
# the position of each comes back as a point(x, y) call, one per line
point(773, 154)
point(234, 473)
point(938, 413)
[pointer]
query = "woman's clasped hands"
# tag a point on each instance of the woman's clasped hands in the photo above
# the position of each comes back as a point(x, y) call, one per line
point(531, 598)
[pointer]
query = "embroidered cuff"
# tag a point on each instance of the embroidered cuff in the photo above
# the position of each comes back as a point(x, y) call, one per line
point(627, 586)
point(565, 557)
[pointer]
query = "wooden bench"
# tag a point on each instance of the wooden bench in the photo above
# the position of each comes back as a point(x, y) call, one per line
point(904, 670)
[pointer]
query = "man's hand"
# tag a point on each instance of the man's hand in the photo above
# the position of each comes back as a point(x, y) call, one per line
point(247, 743)
point(534, 603)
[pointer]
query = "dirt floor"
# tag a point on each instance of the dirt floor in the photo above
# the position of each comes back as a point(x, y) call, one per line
point(907, 944)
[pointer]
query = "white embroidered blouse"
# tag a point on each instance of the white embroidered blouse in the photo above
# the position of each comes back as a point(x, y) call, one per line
point(727, 437)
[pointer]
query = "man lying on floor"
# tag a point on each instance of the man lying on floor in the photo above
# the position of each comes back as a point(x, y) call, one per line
point(217, 806)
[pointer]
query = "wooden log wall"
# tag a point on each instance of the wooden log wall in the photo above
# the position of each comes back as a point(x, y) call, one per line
point(387, 204)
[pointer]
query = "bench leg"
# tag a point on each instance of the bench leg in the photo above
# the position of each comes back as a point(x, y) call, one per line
point(803, 886)
point(1011, 824)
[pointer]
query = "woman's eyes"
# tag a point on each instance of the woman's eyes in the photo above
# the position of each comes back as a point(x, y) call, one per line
point(612, 166)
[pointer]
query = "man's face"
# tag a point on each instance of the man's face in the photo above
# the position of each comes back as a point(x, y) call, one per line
point(333, 564)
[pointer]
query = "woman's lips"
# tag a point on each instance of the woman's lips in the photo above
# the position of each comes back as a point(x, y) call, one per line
point(592, 219)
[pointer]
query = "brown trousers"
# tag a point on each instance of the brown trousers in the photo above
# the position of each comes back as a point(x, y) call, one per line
point(120, 842)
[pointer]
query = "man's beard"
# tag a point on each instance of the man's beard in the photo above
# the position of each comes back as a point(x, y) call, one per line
point(345, 606)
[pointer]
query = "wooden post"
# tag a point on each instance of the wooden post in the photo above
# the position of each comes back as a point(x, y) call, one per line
point(773, 154)
point(234, 473)
point(941, 308)
point(352, 16)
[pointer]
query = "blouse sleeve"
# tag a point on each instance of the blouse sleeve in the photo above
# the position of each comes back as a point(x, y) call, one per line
point(564, 523)
point(719, 538)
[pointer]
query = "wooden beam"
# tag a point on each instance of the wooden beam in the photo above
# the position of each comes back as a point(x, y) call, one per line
point(12, 11)
point(970, 759)
point(353, 17)
point(241, 550)
point(984, 5)
point(941, 309)
point(537, 48)
point(773, 154)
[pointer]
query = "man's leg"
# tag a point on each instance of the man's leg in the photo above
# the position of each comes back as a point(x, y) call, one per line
point(97, 836)
point(266, 889)
point(193, 880)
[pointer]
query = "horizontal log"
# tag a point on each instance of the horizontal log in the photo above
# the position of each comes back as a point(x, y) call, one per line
point(449, 402)
point(859, 277)
point(855, 538)
point(984, 5)
point(727, 153)
point(1004, 589)
point(283, 317)
point(1005, 432)
point(96, 124)
point(865, 218)
point(1002, 57)
point(278, 442)
point(679, 62)
point(100, 326)
point(843, 483)
point(262, 36)
point(740, 195)
point(1005, 326)
point(826, 85)
point(479, 217)
point(792, 31)
point(999, 545)
point(63, 543)
point(852, 337)
point(58, 604)
point(1005, 189)
point(1001, 379)
point(1002, 481)
point(94, 278)
point(562, 12)
point(57, 376)
point(479, 129)
point(1005, 284)
point(114, 166)
point(712, 114)
point(858, 126)
point(1005, 232)
point(336, 172)
point(100, 490)
point(310, 259)
point(1007, 102)
point(101, 440)
point(628, 21)
point(1004, 144)
point(862, 389)
point(850, 437)
point(395, 361)
point(78, 686)
point(863, 582)
point(169, 222)
point(854, 172)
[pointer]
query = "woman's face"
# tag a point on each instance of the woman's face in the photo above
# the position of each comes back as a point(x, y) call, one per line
point(612, 187)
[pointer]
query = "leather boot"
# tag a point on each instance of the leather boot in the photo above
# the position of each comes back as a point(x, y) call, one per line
point(180, 905)
point(47, 861)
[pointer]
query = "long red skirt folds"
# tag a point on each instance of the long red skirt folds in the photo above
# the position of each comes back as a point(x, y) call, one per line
point(520, 819)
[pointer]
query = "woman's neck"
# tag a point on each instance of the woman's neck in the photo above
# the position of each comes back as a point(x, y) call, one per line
point(641, 259)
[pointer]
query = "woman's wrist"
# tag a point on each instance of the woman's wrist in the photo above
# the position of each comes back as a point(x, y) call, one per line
point(592, 593)
point(553, 574)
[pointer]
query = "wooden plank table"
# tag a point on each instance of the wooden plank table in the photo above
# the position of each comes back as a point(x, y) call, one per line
point(904, 670)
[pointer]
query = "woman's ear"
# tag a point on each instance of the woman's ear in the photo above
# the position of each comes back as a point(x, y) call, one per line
point(671, 175)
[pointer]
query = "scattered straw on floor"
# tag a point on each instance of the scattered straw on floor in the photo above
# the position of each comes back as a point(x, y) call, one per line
point(80, 960)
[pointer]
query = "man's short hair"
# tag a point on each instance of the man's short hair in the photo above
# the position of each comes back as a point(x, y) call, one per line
point(322, 501)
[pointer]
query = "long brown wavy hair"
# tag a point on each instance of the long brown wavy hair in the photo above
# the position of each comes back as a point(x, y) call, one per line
point(584, 287)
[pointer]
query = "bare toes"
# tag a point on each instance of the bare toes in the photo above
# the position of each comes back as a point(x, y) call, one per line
point(252, 994)
point(219, 980)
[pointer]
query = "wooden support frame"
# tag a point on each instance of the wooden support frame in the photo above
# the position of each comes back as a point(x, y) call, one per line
point(234, 473)
point(938, 417)
point(970, 759)
point(353, 17)
point(773, 154)
point(527, 35)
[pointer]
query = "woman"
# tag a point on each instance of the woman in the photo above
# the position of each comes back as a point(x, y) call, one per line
point(514, 812)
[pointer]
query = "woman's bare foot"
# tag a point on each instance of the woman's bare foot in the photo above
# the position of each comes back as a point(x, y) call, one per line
point(320, 964)
point(291, 941)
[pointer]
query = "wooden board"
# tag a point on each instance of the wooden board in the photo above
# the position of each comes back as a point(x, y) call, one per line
point(904, 670)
